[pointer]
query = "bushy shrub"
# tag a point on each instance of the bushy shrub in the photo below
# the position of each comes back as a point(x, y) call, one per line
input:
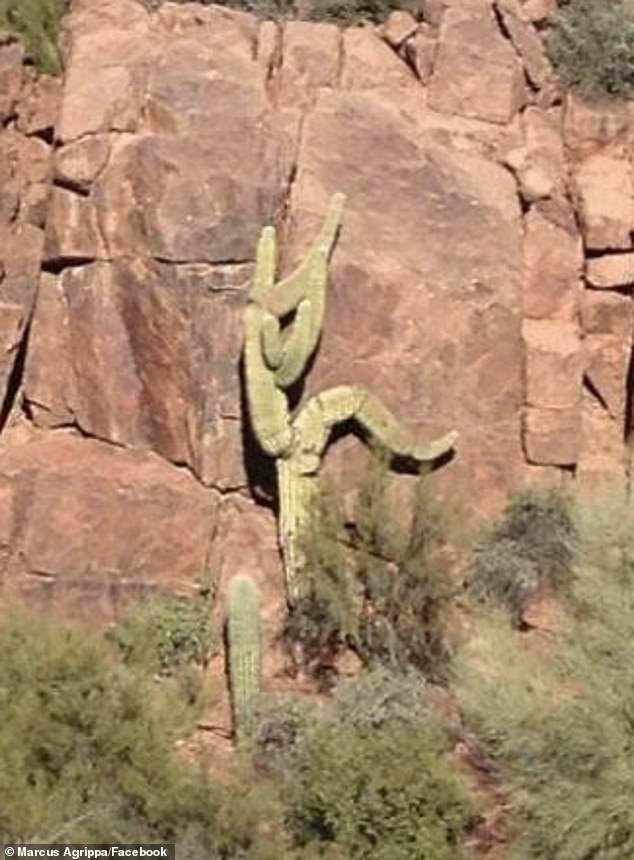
point(276, 725)
point(382, 588)
point(167, 632)
point(558, 715)
point(592, 45)
point(36, 22)
point(84, 743)
point(386, 794)
point(531, 546)
point(380, 699)
point(366, 776)
point(353, 11)
point(89, 753)
point(344, 11)
point(323, 618)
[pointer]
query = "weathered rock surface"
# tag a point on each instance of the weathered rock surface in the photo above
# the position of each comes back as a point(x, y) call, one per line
point(477, 207)
point(27, 108)
point(611, 270)
point(470, 39)
point(606, 201)
point(84, 524)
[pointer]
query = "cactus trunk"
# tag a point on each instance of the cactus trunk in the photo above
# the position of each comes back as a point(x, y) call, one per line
point(245, 647)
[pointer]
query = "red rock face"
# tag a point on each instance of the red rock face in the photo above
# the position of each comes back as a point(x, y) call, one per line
point(482, 279)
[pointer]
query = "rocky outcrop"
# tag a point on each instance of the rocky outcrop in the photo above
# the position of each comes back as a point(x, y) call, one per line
point(482, 279)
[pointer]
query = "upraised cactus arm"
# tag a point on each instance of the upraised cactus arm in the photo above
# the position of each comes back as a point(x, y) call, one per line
point(296, 349)
point(286, 295)
point(265, 264)
point(268, 408)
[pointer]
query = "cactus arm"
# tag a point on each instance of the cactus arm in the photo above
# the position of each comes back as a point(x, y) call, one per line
point(376, 419)
point(271, 341)
point(296, 349)
point(265, 263)
point(297, 475)
point(267, 403)
point(287, 294)
point(314, 423)
point(245, 647)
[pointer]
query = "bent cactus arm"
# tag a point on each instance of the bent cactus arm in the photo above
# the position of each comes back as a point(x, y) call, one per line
point(297, 474)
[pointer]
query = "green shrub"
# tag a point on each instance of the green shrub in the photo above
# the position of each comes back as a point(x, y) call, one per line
point(276, 725)
point(381, 588)
point(592, 46)
point(344, 11)
point(366, 775)
point(89, 753)
point(380, 699)
point(85, 744)
point(36, 22)
point(385, 795)
point(532, 546)
point(167, 633)
point(558, 715)
point(322, 622)
point(353, 11)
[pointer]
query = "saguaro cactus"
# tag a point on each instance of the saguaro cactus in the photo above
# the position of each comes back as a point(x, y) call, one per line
point(276, 356)
point(245, 646)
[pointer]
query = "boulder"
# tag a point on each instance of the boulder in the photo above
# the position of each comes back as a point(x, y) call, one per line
point(83, 524)
point(554, 364)
point(477, 72)
point(398, 28)
point(605, 194)
point(144, 354)
point(553, 257)
point(424, 302)
point(610, 271)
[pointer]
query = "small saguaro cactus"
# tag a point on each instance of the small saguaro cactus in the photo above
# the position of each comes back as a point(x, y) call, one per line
point(276, 357)
point(245, 647)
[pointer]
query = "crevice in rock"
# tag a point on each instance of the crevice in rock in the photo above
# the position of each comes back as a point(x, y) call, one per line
point(274, 65)
point(499, 19)
point(400, 53)
point(341, 59)
point(506, 33)
point(56, 265)
point(596, 253)
point(85, 434)
point(624, 290)
point(628, 428)
point(591, 388)
point(16, 377)
point(41, 574)
point(45, 134)
point(171, 261)
point(525, 205)
point(69, 185)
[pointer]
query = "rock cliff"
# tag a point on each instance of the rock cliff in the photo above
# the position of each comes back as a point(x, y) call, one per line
point(482, 279)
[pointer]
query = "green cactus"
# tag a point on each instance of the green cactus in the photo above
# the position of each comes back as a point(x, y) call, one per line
point(36, 23)
point(276, 357)
point(245, 647)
